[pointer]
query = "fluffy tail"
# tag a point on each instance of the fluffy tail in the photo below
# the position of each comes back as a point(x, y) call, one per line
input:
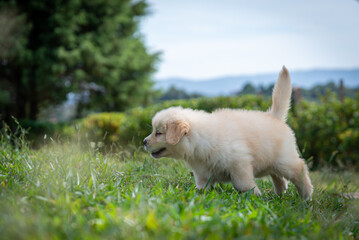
point(281, 96)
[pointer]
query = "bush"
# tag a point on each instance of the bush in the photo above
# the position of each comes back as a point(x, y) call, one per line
point(328, 131)
point(105, 126)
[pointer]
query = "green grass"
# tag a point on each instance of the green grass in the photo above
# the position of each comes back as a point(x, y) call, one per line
point(62, 191)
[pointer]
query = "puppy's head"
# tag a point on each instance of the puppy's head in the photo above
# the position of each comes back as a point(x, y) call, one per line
point(169, 127)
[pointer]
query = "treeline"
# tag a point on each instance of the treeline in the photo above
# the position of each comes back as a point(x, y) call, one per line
point(312, 94)
point(92, 49)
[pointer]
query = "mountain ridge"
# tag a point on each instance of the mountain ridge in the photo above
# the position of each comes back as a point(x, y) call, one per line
point(227, 85)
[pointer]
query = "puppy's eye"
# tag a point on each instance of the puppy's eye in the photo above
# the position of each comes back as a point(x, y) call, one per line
point(158, 134)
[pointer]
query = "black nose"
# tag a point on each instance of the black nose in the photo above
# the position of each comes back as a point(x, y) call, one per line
point(145, 142)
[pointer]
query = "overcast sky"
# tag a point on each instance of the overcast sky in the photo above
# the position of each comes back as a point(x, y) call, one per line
point(211, 38)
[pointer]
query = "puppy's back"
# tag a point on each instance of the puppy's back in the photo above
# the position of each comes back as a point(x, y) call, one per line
point(264, 134)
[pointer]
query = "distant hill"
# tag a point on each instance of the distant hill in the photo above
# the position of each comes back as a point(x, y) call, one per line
point(230, 84)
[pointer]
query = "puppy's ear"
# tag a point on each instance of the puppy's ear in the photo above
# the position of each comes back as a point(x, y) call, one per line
point(175, 131)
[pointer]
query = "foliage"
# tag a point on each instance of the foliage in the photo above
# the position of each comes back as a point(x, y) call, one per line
point(315, 93)
point(173, 93)
point(248, 89)
point(61, 191)
point(12, 41)
point(327, 132)
point(320, 90)
point(91, 47)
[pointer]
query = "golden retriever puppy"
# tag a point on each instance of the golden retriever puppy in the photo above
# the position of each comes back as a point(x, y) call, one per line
point(233, 144)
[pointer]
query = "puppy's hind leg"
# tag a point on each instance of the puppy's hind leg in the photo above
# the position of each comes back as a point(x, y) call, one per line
point(242, 178)
point(299, 175)
point(302, 182)
point(280, 184)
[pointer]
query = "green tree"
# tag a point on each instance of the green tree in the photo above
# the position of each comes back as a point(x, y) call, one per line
point(12, 29)
point(72, 44)
point(175, 93)
point(266, 91)
point(248, 89)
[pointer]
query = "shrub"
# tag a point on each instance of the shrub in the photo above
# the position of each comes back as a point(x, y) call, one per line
point(327, 131)
point(105, 126)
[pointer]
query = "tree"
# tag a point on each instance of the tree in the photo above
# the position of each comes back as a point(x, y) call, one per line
point(174, 93)
point(12, 29)
point(71, 44)
point(266, 91)
point(248, 89)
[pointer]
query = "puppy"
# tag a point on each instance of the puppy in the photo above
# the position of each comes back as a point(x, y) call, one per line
point(234, 145)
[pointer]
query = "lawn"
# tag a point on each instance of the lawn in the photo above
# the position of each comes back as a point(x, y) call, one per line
point(67, 191)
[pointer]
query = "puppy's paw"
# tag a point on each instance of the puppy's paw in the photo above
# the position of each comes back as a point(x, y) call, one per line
point(256, 191)
point(203, 186)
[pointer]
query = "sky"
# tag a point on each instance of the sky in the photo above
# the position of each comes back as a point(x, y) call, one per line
point(202, 39)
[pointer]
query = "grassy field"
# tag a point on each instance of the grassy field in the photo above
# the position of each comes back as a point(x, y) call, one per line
point(65, 191)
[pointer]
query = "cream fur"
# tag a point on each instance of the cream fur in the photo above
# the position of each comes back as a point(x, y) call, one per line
point(234, 145)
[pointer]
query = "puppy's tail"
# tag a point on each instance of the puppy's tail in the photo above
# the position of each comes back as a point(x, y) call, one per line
point(281, 96)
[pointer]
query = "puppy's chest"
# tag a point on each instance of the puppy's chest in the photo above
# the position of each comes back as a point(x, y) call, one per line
point(217, 170)
point(220, 175)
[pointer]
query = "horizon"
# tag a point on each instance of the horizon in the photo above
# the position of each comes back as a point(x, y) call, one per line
point(214, 78)
point(227, 84)
point(209, 39)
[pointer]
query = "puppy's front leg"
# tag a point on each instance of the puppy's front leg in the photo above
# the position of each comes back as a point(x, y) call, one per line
point(201, 181)
point(242, 178)
point(280, 184)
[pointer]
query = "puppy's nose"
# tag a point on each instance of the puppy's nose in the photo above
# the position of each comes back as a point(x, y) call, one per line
point(145, 142)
